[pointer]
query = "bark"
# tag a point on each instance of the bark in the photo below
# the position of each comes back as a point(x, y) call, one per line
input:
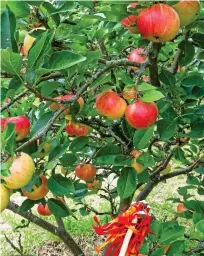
point(57, 231)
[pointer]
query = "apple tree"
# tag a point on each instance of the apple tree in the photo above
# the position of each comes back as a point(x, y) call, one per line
point(104, 97)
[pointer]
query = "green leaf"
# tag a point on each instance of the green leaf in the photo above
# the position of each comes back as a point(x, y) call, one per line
point(88, 4)
point(176, 248)
point(58, 208)
point(57, 152)
point(41, 122)
point(40, 50)
point(167, 78)
point(180, 156)
point(145, 159)
point(19, 8)
point(200, 226)
point(108, 150)
point(188, 52)
point(26, 205)
point(171, 233)
point(60, 186)
point(152, 95)
point(200, 170)
point(48, 88)
point(68, 159)
point(145, 87)
point(156, 228)
point(15, 83)
point(198, 38)
point(8, 27)
point(65, 7)
point(11, 62)
point(81, 190)
point(60, 60)
point(127, 182)
point(3, 94)
point(142, 138)
point(167, 128)
point(193, 79)
point(78, 144)
point(158, 252)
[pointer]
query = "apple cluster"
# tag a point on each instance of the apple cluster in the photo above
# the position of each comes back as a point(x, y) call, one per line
point(161, 22)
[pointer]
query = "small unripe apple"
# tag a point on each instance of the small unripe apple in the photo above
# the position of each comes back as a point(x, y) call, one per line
point(141, 115)
point(37, 193)
point(181, 208)
point(85, 171)
point(138, 167)
point(4, 197)
point(137, 55)
point(77, 129)
point(44, 210)
point(109, 104)
point(55, 106)
point(130, 23)
point(22, 125)
point(158, 23)
point(145, 79)
point(27, 44)
point(129, 92)
point(22, 170)
point(188, 11)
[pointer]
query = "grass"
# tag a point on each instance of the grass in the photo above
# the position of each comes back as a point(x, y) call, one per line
point(81, 229)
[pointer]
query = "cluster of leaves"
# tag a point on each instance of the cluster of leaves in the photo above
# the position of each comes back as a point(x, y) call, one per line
point(73, 41)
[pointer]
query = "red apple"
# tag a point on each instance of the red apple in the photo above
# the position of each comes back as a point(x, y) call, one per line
point(39, 192)
point(137, 55)
point(181, 208)
point(85, 171)
point(44, 210)
point(77, 129)
point(141, 115)
point(109, 104)
point(158, 23)
point(55, 106)
point(188, 11)
point(130, 23)
point(22, 125)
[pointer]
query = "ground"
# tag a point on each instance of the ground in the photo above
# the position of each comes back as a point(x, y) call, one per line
point(37, 242)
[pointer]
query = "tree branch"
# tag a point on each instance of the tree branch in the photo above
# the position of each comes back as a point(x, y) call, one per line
point(153, 67)
point(19, 96)
point(62, 234)
point(44, 130)
point(174, 65)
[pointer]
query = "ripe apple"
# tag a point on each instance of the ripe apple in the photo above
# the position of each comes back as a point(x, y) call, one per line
point(129, 92)
point(44, 210)
point(138, 167)
point(95, 185)
point(22, 125)
point(181, 208)
point(22, 170)
point(166, 170)
point(4, 196)
point(55, 106)
point(130, 23)
point(85, 171)
point(77, 129)
point(44, 151)
point(188, 11)
point(37, 193)
point(109, 104)
point(141, 115)
point(137, 55)
point(158, 23)
point(27, 44)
